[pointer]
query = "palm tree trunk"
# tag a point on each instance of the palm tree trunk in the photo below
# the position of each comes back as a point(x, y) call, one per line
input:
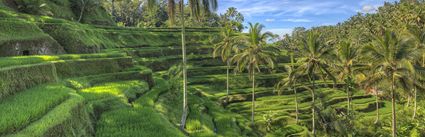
point(409, 98)
point(171, 13)
point(83, 8)
point(295, 89)
point(313, 113)
point(377, 107)
point(296, 104)
point(347, 89)
point(185, 106)
point(227, 81)
point(394, 126)
point(253, 98)
point(415, 104)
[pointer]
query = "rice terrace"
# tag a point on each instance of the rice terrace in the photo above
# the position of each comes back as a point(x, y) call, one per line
point(212, 68)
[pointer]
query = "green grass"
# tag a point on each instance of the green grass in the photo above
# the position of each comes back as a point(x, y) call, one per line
point(236, 81)
point(28, 106)
point(142, 120)
point(86, 67)
point(18, 78)
point(204, 113)
point(130, 122)
point(25, 77)
point(79, 38)
point(121, 90)
point(67, 119)
point(64, 9)
point(25, 60)
point(20, 30)
point(87, 81)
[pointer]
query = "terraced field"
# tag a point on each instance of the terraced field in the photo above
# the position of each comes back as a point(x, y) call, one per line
point(207, 78)
point(129, 91)
point(62, 77)
point(63, 95)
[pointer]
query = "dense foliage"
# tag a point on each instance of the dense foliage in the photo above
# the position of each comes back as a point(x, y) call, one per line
point(379, 53)
point(362, 77)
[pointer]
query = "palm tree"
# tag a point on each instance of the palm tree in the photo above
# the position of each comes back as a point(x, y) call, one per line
point(314, 61)
point(234, 19)
point(253, 54)
point(391, 57)
point(418, 36)
point(198, 8)
point(290, 81)
point(171, 11)
point(225, 49)
point(369, 79)
point(346, 55)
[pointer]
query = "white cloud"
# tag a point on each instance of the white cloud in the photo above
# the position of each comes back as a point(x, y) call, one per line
point(327, 24)
point(258, 10)
point(270, 20)
point(280, 31)
point(297, 20)
point(368, 9)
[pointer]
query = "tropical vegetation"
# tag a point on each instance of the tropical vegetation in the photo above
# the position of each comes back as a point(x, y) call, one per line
point(177, 68)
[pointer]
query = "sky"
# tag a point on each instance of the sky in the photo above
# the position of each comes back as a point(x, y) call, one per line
point(281, 16)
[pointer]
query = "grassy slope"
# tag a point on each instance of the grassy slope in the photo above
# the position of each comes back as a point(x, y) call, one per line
point(65, 9)
point(205, 112)
point(208, 86)
point(68, 118)
point(28, 106)
point(26, 60)
point(141, 119)
point(70, 34)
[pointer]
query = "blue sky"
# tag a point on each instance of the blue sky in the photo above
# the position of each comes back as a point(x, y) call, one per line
point(281, 16)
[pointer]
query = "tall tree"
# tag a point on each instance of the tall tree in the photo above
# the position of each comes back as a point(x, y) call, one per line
point(225, 49)
point(233, 18)
point(369, 79)
point(290, 81)
point(253, 54)
point(418, 36)
point(171, 10)
point(345, 60)
point(198, 8)
point(391, 56)
point(290, 43)
point(83, 8)
point(314, 61)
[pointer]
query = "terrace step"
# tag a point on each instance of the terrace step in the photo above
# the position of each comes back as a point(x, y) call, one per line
point(154, 52)
point(28, 106)
point(196, 61)
point(71, 114)
point(166, 62)
point(119, 90)
point(135, 73)
point(142, 119)
point(237, 81)
point(28, 60)
point(213, 70)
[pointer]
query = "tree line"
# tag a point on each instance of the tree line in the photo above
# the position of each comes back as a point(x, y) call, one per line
point(165, 13)
point(379, 54)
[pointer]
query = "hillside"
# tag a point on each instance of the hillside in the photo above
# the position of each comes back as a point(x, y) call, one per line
point(65, 76)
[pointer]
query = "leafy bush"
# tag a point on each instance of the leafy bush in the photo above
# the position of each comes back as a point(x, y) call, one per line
point(37, 7)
